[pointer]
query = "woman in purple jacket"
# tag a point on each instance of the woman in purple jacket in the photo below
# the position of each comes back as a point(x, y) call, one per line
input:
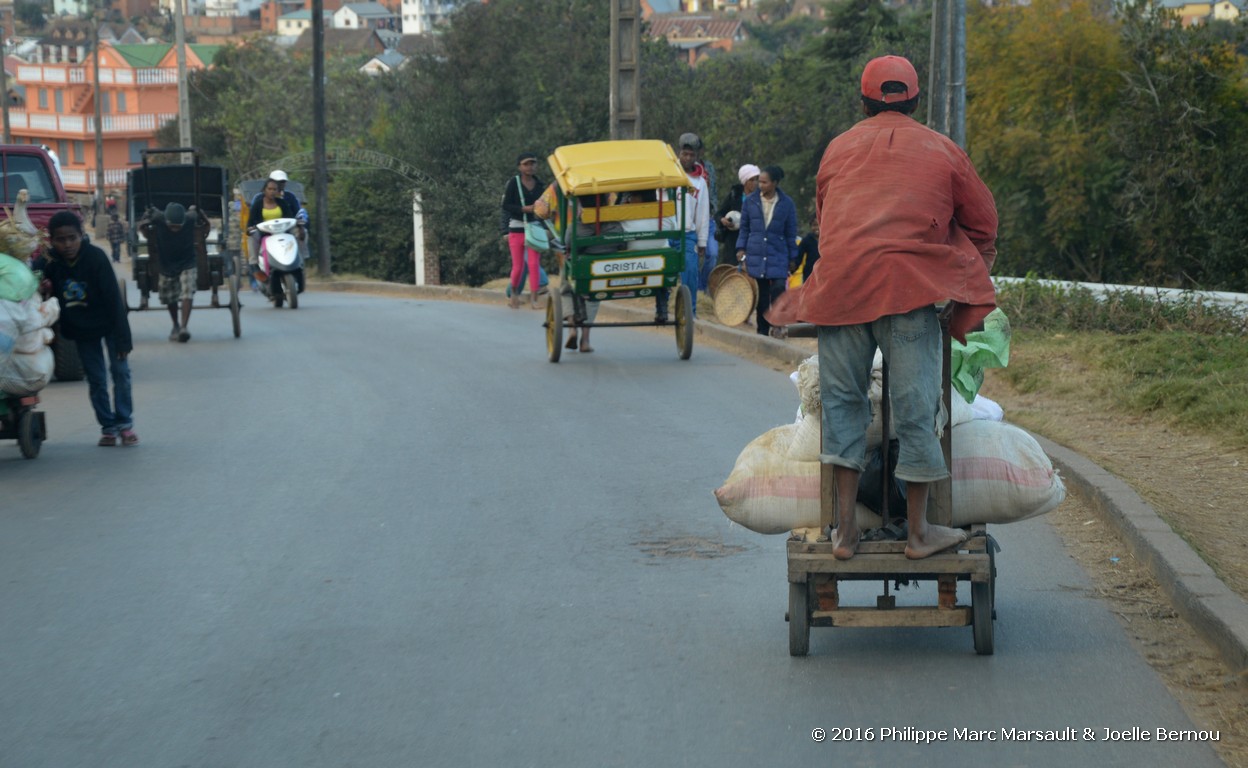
point(767, 242)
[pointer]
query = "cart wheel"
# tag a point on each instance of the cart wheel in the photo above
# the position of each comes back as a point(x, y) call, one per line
point(554, 324)
point(292, 290)
point(29, 437)
point(235, 305)
point(981, 614)
point(684, 322)
point(799, 618)
point(125, 300)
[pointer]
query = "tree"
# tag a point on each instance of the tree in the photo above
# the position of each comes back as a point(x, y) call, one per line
point(1042, 81)
point(492, 93)
point(29, 13)
point(1180, 128)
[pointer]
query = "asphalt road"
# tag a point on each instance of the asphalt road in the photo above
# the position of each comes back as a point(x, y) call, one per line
point(378, 532)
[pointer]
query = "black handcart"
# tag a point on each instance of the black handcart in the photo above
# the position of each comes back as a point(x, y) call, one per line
point(20, 421)
point(814, 573)
point(632, 258)
point(204, 186)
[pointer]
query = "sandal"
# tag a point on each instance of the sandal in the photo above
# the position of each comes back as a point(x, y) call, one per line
point(128, 437)
point(107, 440)
point(571, 343)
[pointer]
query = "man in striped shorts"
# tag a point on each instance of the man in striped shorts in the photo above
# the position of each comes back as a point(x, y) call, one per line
point(173, 232)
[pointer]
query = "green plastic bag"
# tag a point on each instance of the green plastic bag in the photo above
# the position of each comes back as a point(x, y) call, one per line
point(989, 348)
point(17, 282)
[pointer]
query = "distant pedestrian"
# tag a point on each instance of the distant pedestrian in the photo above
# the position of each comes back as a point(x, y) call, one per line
point(92, 311)
point(110, 204)
point(116, 235)
point(767, 241)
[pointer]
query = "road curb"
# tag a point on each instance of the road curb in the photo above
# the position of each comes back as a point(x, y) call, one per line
point(1200, 597)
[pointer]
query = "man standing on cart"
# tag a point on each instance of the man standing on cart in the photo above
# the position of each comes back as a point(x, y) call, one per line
point(904, 223)
point(174, 232)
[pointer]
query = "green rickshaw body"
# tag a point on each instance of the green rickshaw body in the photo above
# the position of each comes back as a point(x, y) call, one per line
point(601, 266)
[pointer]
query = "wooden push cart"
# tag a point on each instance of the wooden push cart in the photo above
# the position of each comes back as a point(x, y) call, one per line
point(814, 574)
point(616, 209)
point(205, 187)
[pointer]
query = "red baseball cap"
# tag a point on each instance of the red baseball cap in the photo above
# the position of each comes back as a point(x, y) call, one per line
point(883, 69)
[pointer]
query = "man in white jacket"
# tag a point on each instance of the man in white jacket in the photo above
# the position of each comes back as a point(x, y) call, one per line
point(697, 207)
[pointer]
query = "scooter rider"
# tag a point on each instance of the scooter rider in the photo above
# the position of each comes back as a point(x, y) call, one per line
point(285, 200)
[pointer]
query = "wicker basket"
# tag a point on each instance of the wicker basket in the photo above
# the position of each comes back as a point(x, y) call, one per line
point(735, 299)
point(718, 274)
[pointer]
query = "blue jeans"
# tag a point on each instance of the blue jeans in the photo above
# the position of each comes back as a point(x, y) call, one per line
point(910, 344)
point(708, 263)
point(112, 419)
point(689, 276)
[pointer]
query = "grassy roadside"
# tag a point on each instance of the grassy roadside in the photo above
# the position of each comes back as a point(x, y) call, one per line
point(1177, 378)
point(1183, 364)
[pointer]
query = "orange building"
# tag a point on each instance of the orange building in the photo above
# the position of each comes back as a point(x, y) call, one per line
point(138, 95)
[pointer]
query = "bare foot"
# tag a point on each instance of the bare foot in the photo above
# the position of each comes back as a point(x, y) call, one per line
point(935, 538)
point(844, 544)
point(585, 347)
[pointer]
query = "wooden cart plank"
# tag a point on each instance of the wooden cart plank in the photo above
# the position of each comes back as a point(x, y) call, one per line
point(908, 616)
point(886, 566)
point(975, 545)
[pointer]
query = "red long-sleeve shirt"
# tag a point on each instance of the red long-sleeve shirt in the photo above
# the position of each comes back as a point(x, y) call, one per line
point(904, 222)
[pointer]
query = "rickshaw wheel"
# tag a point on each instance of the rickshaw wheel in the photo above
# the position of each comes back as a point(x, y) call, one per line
point(29, 437)
point(235, 306)
point(554, 324)
point(684, 322)
point(292, 290)
point(981, 615)
point(125, 300)
point(799, 618)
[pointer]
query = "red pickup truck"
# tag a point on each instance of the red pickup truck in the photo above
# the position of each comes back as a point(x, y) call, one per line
point(30, 167)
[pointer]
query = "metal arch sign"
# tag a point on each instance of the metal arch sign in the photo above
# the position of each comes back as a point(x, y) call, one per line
point(344, 159)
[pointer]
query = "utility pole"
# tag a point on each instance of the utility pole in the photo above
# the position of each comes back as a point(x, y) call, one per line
point(625, 69)
point(321, 171)
point(96, 20)
point(184, 102)
point(4, 77)
point(946, 89)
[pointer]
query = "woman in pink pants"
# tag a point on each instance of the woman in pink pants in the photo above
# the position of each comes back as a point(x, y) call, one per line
point(521, 193)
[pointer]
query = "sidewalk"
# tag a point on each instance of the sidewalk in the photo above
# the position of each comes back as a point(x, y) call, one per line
point(1198, 595)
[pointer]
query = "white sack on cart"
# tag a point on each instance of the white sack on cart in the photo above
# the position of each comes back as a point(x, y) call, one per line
point(32, 342)
point(22, 316)
point(1000, 475)
point(22, 374)
point(49, 312)
point(770, 492)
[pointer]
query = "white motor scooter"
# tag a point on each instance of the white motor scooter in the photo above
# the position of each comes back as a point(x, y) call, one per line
point(280, 269)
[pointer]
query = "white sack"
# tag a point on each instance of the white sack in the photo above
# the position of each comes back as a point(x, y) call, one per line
point(22, 375)
point(32, 342)
point(49, 312)
point(1000, 475)
point(769, 492)
point(21, 316)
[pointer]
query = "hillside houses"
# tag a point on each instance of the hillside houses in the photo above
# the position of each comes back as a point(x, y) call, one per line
point(1191, 13)
point(56, 102)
